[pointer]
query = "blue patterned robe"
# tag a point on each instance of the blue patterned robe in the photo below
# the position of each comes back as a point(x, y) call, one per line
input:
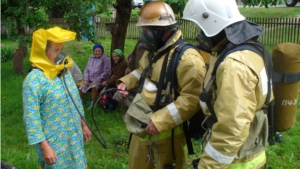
point(50, 114)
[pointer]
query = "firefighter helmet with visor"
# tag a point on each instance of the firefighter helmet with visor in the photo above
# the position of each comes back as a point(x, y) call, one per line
point(156, 13)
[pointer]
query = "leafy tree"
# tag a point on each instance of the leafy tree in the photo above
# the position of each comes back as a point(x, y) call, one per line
point(177, 6)
point(104, 7)
point(77, 14)
point(123, 9)
point(18, 15)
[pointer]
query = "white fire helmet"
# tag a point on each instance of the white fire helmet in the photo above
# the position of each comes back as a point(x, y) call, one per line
point(212, 16)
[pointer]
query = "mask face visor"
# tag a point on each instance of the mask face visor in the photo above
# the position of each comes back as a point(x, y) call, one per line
point(56, 52)
point(148, 38)
point(204, 43)
point(71, 47)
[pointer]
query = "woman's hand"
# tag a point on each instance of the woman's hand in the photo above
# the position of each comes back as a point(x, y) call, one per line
point(48, 153)
point(86, 83)
point(104, 83)
point(95, 82)
point(87, 134)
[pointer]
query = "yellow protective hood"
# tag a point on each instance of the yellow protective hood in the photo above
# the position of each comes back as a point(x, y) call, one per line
point(38, 56)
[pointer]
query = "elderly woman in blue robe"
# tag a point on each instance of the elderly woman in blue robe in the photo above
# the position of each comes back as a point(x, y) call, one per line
point(53, 124)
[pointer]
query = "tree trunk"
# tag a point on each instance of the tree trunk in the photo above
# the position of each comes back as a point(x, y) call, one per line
point(123, 10)
point(19, 54)
point(18, 58)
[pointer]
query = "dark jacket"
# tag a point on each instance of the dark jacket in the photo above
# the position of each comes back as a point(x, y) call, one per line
point(116, 73)
point(136, 56)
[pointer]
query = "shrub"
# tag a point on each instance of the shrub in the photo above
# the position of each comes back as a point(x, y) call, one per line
point(7, 53)
point(135, 13)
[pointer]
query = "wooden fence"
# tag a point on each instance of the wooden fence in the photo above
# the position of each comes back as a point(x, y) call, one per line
point(189, 29)
point(277, 30)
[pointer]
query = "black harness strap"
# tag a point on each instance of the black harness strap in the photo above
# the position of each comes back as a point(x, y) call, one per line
point(159, 85)
point(174, 83)
point(171, 72)
point(142, 80)
point(158, 56)
point(286, 77)
point(256, 47)
point(161, 82)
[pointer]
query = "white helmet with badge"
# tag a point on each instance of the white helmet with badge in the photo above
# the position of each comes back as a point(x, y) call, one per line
point(212, 16)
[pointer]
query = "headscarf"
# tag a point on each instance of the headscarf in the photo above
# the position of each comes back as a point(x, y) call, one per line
point(38, 56)
point(118, 52)
point(129, 56)
point(98, 46)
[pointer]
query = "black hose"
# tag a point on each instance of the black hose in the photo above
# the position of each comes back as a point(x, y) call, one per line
point(102, 141)
point(92, 113)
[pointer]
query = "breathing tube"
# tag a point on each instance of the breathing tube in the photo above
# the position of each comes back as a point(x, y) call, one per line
point(101, 140)
point(97, 100)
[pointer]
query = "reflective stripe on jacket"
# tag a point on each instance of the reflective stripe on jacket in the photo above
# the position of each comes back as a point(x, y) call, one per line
point(190, 74)
point(239, 136)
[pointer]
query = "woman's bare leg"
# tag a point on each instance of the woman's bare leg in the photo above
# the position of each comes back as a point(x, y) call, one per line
point(94, 94)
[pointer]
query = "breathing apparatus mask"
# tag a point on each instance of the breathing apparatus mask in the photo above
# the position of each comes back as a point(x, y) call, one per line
point(211, 44)
point(62, 62)
point(148, 38)
point(203, 42)
point(61, 59)
point(152, 36)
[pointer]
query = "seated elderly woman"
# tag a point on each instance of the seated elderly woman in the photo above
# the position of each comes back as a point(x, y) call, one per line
point(118, 70)
point(95, 73)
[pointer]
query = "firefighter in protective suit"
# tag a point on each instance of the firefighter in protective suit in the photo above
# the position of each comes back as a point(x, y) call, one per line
point(159, 32)
point(237, 139)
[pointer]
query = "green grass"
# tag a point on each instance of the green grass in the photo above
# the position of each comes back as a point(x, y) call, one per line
point(270, 12)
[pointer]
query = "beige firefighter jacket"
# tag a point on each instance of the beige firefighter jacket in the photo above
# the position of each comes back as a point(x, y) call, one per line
point(239, 137)
point(190, 74)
